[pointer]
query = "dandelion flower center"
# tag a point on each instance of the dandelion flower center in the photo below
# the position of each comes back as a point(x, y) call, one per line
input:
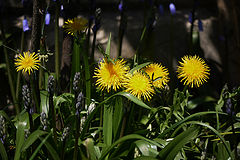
point(27, 62)
point(139, 85)
point(111, 75)
point(158, 74)
point(76, 25)
point(193, 71)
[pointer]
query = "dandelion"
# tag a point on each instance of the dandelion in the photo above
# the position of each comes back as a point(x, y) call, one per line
point(27, 62)
point(193, 71)
point(110, 75)
point(158, 74)
point(139, 85)
point(76, 25)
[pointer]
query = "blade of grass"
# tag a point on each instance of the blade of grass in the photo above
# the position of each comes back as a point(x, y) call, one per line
point(3, 152)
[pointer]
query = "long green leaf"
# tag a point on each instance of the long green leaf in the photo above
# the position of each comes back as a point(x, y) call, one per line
point(126, 138)
point(90, 148)
point(3, 152)
point(145, 158)
point(21, 124)
point(139, 67)
point(146, 148)
point(171, 150)
point(107, 125)
point(55, 157)
point(44, 102)
point(51, 150)
point(32, 138)
point(186, 119)
point(117, 116)
point(217, 133)
point(130, 97)
point(107, 52)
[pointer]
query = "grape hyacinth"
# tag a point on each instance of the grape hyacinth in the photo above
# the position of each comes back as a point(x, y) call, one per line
point(26, 97)
point(47, 18)
point(2, 129)
point(43, 119)
point(79, 103)
point(65, 133)
point(76, 82)
point(51, 83)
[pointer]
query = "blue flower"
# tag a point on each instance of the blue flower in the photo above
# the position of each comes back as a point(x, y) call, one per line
point(25, 25)
point(47, 19)
point(172, 8)
point(161, 9)
point(120, 6)
point(190, 17)
point(200, 25)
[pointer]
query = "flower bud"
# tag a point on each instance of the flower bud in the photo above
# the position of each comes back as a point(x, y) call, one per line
point(51, 83)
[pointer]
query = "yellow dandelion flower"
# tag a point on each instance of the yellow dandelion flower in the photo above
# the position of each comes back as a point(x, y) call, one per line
point(27, 62)
point(139, 85)
point(193, 71)
point(76, 25)
point(111, 75)
point(158, 74)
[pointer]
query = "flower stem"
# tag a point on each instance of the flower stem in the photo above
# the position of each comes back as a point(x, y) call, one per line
point(57, 68)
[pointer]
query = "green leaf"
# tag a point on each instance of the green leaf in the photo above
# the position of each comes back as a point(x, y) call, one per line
point(123, 139)
point(21, 125)
point(146, 148)
point(185, 120)
point(107, 125)
point(91, 149)
point(51, 150)
point(117, 116)
point(130, 97)
point(32, 138)
point(145, 158)
point(222, 153)
point(138, 67)
point(171, 150)
point(107, 52)
point(199, 100)
point(3, 152)
point(44, 102)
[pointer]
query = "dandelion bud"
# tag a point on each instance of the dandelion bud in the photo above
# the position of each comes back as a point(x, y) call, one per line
point(172, 8)
point(26, 97)
point(43, 119)
point(51, 82)
point(76, 82)
point(65, 133)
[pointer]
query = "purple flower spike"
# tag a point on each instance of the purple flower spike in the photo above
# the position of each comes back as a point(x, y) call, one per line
point(25, 25)
point(190, 17)
point(120, 6)
point(172, 8)
point(62, 8)
point(47, 19)
point(161, 9)
point(200, 25)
